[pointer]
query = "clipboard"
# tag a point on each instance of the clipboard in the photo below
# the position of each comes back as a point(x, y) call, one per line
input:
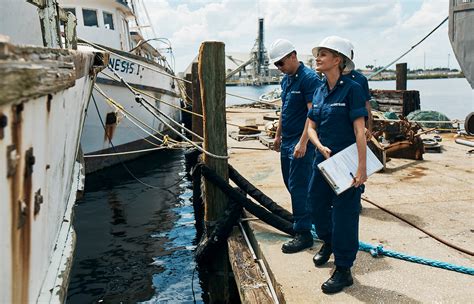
point(338, 170)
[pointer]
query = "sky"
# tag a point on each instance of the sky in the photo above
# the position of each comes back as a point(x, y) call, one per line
point(381, 30)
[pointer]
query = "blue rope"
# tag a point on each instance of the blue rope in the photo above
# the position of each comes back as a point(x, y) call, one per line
point(377, 251)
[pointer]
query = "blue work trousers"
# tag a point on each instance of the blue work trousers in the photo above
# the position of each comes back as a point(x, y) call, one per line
point(336, 217)
point(296, 175)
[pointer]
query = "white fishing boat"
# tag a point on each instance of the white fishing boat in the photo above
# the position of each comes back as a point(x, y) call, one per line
point(114, 25)
point(272, 97)
point(44, 92)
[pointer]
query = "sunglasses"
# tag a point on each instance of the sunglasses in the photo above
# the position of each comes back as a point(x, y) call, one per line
point(281, 62)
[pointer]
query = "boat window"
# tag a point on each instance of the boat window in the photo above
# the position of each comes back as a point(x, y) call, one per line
point(70, 10)
point(90, 17)
point(108, 21)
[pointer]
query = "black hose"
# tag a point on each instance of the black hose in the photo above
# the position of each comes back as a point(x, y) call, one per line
point(260, 212)
point(209, 245)
point(258, 195)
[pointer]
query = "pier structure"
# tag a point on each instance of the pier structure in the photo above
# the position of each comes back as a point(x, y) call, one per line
point(406, 209)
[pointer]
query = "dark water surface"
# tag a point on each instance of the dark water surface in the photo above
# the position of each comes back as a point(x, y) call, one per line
point(135, 243)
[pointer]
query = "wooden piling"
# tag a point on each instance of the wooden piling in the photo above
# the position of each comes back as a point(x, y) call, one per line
point(197, 105)
point(401, 76)
point(211, 70)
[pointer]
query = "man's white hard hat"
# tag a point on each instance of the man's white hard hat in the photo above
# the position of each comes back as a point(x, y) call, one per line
point(341, 45)
point(279, 49)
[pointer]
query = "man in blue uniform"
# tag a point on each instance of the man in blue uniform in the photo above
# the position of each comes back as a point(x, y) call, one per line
point(362, 81)
point(296, 155)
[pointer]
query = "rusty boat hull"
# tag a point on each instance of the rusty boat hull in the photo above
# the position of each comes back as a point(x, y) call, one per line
point(44, 93)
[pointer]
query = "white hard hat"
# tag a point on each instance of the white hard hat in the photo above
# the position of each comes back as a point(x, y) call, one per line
point(340, 45)
point(279, 49)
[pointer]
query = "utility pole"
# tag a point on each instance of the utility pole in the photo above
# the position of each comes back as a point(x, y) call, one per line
point(448, 61)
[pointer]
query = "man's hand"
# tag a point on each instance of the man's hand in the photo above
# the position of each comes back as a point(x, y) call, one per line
point(277, 143)
point(368, 133)
point(300, 150)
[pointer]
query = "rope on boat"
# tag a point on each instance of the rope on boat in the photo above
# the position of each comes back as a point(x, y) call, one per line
point(139, 99)
point(128, 114)
point(153, 97)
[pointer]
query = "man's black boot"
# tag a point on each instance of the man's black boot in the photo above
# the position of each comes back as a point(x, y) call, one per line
point(323, 255)
point(340, 278)
point(301, 241)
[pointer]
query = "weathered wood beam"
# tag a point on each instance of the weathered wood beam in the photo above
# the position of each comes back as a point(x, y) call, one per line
point(250, 280)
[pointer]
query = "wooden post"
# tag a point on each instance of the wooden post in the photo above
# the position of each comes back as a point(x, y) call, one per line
point(197, 105)
point(211, 71)
point(401, 76)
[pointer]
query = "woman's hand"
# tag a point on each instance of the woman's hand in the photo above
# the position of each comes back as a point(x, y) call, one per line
point(325, 151)
point(360, 177)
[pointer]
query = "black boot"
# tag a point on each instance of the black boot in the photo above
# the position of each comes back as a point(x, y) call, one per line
point(340, 278)
point(301, 241)
point(323, 255)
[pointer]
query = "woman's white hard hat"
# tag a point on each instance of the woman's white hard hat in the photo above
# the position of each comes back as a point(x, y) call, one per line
point(340, 45)
point(279, 49)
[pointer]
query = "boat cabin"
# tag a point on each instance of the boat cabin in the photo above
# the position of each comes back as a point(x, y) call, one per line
point(111, 23)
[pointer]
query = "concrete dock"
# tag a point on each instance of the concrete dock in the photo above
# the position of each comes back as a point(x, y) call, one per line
point(436, 194)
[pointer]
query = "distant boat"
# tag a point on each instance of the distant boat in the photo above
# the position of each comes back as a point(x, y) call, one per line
point(272, 97)
point(44, 92)
point(109, 24)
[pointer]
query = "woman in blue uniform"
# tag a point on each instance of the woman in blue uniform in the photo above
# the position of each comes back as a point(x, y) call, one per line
point(335, 122)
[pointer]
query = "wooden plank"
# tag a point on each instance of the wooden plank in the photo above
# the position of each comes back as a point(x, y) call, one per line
point(29, 72)
point(250, 280)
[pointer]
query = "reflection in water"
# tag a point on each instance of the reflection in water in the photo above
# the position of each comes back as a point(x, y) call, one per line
point(136, 243)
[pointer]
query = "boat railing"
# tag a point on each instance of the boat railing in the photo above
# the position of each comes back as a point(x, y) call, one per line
point(52, 17)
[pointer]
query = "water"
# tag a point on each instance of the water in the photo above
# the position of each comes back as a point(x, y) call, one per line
point(452, 97)
point(135, 243)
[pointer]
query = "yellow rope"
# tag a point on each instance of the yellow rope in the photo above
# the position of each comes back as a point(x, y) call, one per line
point(121, 108)
point(153, 97)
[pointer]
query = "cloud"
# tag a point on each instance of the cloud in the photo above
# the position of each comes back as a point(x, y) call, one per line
point(380, 30)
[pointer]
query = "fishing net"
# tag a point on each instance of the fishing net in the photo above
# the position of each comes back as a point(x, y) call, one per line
point(432, 117)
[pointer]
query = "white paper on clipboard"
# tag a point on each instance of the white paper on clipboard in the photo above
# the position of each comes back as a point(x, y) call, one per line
point(339, 168)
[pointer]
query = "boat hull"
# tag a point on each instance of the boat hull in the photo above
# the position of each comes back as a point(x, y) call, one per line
point(461, 23)
point(105, 123)
point(44, 96)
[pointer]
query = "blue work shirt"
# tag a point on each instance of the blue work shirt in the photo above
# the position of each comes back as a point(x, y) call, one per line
point(361, 80)
point(334, 112)
point(297, 92)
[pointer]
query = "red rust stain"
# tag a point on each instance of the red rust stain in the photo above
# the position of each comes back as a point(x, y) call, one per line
point(416, 172)
point(48, 103)
point(3, 125)
point(20, 203)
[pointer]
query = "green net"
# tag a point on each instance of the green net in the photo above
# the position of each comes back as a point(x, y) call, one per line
point(432, 117)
